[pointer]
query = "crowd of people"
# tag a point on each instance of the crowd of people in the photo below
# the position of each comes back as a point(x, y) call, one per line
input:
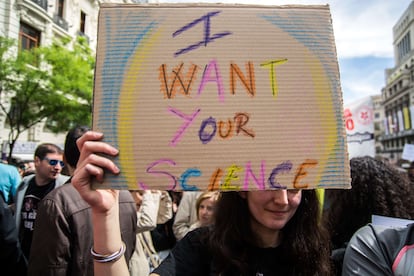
point(53, 223)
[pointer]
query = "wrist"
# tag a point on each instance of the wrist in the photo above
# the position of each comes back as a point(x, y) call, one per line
point(110, 213)
point(107, 258)
point(106, 230)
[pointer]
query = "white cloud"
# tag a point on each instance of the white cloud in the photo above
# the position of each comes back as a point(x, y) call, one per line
point(359, 89)
point(364, 28)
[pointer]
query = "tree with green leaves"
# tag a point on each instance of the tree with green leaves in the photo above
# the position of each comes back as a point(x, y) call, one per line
point(51, 83)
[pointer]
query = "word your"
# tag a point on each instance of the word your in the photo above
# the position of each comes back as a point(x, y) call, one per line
point(232, 179)
point(181, 82)
point(225, 130)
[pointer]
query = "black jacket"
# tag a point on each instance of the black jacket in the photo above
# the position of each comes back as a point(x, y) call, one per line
point(12, 260)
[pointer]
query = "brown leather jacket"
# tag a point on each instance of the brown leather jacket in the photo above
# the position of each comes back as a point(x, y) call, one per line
point(63, 234)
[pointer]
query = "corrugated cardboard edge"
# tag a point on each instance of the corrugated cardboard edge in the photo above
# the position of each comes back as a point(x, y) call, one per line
point(200, 5)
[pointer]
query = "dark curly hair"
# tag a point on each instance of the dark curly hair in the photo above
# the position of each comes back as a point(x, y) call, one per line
point(305, 243)
point(377, 189)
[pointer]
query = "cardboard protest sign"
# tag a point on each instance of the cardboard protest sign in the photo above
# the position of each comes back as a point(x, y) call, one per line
point(223, 97)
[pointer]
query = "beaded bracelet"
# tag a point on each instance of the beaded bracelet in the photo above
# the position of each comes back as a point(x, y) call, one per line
point(110, 257)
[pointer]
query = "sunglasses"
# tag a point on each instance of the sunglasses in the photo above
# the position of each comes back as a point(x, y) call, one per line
point(53, 162)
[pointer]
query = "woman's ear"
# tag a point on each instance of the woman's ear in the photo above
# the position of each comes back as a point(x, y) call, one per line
point(243, 194)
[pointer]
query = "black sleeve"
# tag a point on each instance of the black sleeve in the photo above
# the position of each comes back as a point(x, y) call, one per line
point(190, 256)
point(11, 255)
point(163, 237)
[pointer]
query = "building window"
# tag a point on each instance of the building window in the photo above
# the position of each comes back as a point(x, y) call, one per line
point(31, 134)
point(29, 37)
point(41, 3)
point(59, 16)
point(60, 4)
point(404, 46)
point(82, 22)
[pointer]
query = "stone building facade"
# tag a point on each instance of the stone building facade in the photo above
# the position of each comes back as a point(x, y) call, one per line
point(398, 93)
point(37, 22)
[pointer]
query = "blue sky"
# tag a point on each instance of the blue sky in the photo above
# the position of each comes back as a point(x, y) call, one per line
point(363, 35)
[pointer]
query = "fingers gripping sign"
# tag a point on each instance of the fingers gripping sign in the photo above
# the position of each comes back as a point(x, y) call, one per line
point(91, 166)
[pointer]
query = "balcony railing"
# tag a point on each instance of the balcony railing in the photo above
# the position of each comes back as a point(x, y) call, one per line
point(41, 3)
point(61, 22)
point(82, 34)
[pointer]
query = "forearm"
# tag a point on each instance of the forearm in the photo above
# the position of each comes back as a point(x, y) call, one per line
point(181, 226)
point(107, 240)
point(147, 214)
point(165, 211)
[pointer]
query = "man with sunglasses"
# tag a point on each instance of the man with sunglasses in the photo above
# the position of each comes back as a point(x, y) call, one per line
point(63, 237)
point(48, 160)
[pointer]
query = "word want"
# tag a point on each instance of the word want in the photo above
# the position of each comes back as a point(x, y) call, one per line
point(232, 179)
point(180, 82)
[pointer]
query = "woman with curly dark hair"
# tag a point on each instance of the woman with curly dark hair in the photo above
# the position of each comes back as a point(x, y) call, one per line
point(377, 189)
point(256, 233)
point(297, 245)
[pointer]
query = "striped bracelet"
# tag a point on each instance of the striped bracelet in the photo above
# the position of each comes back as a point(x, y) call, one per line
point(110, 257)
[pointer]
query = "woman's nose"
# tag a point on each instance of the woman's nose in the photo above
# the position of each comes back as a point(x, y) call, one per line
point(280, 196)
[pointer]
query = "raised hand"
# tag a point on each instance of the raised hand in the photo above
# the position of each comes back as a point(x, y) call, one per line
point(91, 167)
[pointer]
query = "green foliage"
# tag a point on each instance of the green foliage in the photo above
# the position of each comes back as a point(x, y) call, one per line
point(53, 82)
point(71, 75)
